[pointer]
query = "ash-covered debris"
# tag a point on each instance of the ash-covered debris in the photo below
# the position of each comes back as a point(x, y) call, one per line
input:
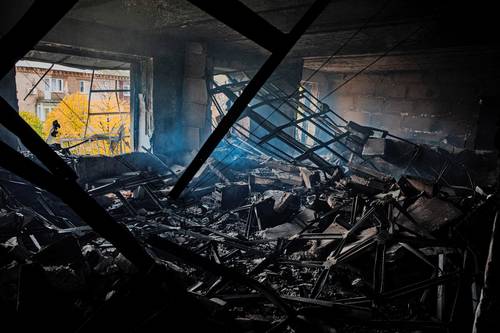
point(261, 244)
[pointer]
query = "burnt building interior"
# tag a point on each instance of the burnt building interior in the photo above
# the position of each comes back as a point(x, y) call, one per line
point(291, 166)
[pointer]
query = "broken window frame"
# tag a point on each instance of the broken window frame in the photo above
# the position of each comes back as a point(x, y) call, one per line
point(140, 83)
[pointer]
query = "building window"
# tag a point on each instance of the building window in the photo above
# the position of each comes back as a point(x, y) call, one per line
point(126, 86)
point(42, 110)
point(53, 85)
point(84, 87)
point(39, 112)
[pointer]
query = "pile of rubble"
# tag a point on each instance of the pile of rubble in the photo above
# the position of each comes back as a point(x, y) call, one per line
point(264, 245)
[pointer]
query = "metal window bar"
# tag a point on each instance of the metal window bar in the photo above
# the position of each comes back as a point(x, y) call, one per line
point(119, 113)
point(287, 139)
point(311, 117)
point(294, 103)
point(324, 129)
point(244, 132)
point(318, 114)
point(267, 147)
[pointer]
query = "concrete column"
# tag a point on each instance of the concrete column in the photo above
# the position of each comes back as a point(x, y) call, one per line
point(195, 97)
point(142, 127)
point(168, 75)
point(8, 92)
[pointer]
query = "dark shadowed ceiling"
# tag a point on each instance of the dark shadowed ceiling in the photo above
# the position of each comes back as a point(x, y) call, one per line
point(441, 23)
point(381, 24)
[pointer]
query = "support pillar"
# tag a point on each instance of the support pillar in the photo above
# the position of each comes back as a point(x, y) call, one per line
point(168, 74)
point(8, 92)
point(195, 97)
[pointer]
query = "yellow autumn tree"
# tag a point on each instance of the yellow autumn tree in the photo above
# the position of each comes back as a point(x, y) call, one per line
point(33, 121)
point(106, 131)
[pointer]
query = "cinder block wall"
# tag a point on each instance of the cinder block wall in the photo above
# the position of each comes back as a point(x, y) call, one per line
point(439, 106)
point(194, 96)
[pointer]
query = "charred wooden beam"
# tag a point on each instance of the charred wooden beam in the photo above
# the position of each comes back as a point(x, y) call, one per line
point(194, 259)
point(242, 19)
point(22, 37)
point(485, 318)
point(14, 123)
point(82, 204)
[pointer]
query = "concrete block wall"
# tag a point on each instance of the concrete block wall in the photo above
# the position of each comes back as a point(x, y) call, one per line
point(194, 96)
point(180, 101)
point(439, 106)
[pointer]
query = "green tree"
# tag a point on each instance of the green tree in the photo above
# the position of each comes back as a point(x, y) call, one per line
point(33, 121)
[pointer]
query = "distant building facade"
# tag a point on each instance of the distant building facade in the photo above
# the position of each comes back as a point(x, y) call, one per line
point(62, 81)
